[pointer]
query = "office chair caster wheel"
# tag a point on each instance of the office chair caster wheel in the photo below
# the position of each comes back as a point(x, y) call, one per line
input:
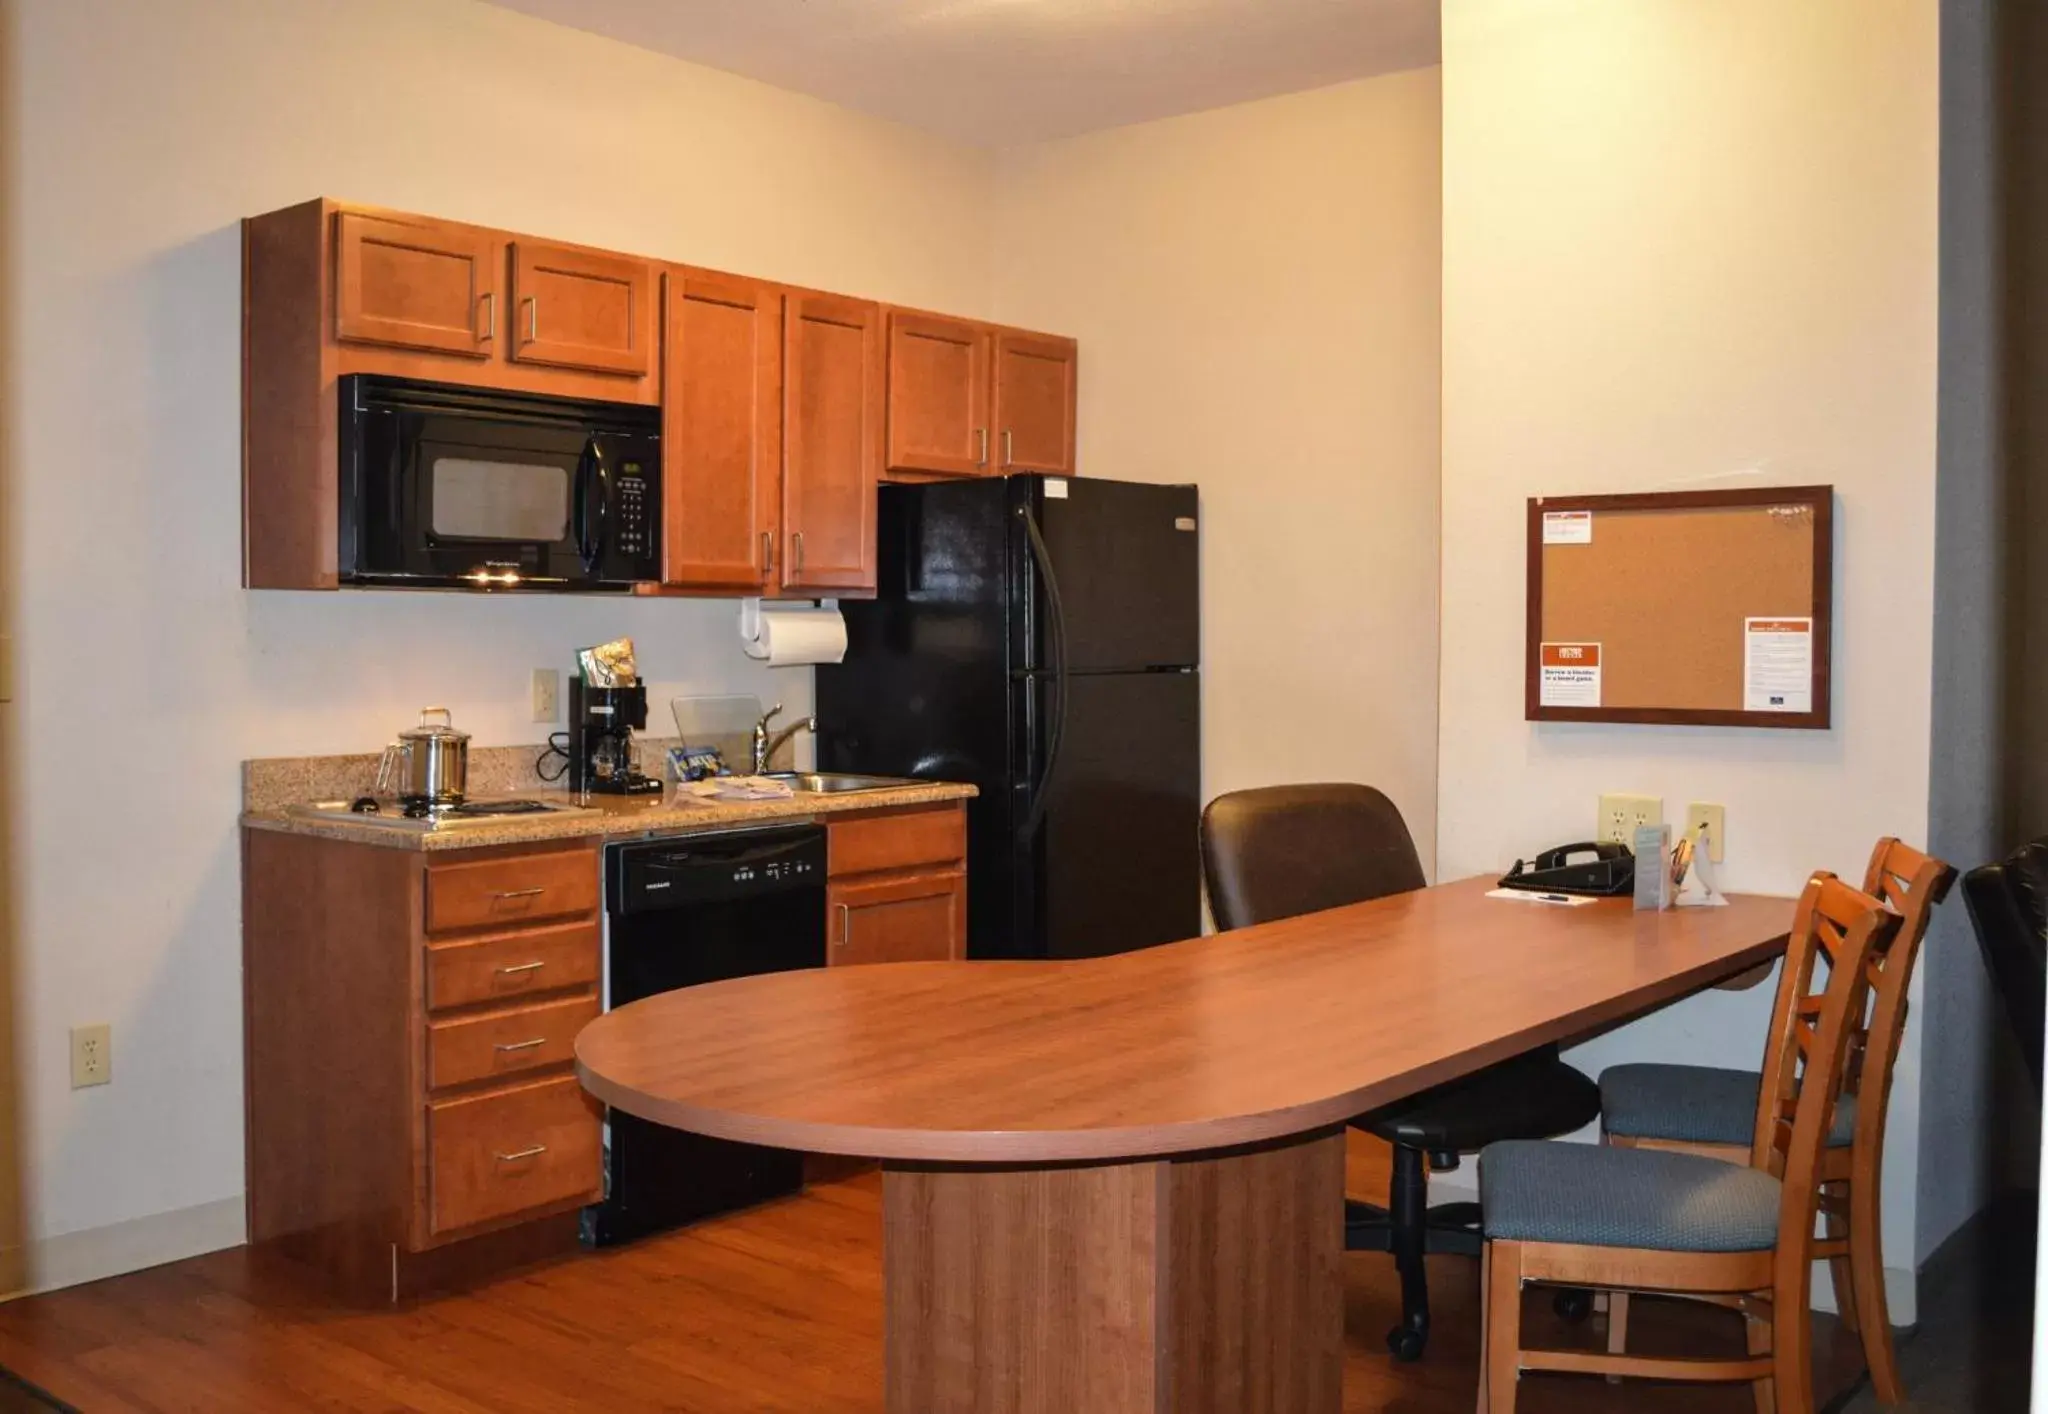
point(1406, 1343)
point(1574, 1305)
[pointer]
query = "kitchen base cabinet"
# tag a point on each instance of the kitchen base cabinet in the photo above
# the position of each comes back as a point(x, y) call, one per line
point(897, 886)
point(412, 1112)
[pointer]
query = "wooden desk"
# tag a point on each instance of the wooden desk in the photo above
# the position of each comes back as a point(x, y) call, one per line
point(1116, 1185)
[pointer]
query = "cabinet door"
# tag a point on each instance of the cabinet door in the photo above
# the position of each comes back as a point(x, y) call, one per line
point(922, 918)
point(1035, 403)
point(938, 395)
point(832, 430)
point(576, 308)
point(721, 437)
point(416, 283)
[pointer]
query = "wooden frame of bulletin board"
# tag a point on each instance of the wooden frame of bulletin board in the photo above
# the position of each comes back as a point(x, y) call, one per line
point(1696, 608)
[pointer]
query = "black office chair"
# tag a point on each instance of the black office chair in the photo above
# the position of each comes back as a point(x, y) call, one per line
point(1286, 850)
point(2008, 905)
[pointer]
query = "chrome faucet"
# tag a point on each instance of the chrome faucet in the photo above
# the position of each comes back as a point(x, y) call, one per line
point(766, 744)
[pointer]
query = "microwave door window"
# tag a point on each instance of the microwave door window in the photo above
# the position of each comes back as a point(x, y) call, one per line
point(514, 502)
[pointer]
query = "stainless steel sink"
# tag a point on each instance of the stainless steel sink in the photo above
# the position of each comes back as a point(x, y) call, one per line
point(831, 783)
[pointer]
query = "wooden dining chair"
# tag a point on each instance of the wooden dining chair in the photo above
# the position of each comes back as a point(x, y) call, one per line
point(1713, 1112)
point(1684, 1225)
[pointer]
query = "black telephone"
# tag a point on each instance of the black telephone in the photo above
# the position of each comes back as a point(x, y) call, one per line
point(1611, 870)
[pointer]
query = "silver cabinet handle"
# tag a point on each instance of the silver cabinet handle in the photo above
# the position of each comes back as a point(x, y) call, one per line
point(845, 924)
point(517, 1154)
point(518, 893)
point(767, 554)
point(532, 319)
point(518, 968)
point(489, 301)
point(981, 446)
point(1009, 449)
point(522, 1045)
point(796, 542)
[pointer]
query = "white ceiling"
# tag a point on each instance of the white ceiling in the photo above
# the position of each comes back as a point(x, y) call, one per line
point(999, 72)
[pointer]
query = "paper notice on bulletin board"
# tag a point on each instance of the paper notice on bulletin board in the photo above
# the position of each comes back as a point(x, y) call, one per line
point(1567, 527)
point(1777, 665)
point(1570, 675)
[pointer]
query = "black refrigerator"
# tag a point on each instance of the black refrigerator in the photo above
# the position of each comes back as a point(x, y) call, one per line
point(1039, 637)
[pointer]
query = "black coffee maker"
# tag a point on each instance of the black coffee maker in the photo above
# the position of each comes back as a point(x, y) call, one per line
point(602, 721)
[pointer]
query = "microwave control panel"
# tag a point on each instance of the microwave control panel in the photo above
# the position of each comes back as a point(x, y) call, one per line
point(633, 511)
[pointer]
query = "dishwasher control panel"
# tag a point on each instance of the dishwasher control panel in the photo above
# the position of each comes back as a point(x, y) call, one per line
point(663, 874)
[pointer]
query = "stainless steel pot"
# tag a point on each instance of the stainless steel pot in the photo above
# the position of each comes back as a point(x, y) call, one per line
point(428, 764)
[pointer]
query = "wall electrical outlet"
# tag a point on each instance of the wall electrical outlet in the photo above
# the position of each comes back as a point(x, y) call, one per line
point(1620, 815)
point(547, 694)
point(1715, 818)
point(92, 1055)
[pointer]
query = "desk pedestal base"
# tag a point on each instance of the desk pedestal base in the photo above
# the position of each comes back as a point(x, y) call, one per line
point(1202, 1284)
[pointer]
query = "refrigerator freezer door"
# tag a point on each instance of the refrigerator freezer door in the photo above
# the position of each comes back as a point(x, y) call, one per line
point(1115, 864)
point(1127, 557)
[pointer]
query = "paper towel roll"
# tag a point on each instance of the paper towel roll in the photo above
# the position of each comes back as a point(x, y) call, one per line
point(786, 636)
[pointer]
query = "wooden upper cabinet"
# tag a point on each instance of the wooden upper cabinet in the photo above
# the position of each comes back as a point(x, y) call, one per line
point(938, 395)
point(416, 283)
point(1034, 403)
point(832, 430)
point(721, 431)
point(578, 308)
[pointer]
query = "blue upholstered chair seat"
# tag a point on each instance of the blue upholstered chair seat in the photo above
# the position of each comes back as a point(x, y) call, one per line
point(1597, 1196)
point(1694, 1104)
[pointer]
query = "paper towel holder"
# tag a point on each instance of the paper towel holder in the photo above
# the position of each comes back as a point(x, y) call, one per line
point(750, 620)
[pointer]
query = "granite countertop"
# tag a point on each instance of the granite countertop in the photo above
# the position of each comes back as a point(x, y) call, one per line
point(618, 816)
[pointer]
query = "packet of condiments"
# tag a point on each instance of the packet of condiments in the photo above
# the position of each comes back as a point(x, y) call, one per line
point(608, 664)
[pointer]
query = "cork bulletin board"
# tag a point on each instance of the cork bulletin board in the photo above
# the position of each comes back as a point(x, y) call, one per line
point(1706, 608)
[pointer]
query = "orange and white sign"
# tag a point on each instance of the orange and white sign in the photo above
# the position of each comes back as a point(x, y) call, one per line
point(1777, 665)
point(1568, 675)
point(1567, 527)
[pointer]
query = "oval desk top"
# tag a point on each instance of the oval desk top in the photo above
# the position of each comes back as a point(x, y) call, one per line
point(1216, 1041)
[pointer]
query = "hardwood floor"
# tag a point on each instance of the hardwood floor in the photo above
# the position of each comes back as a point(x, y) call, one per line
point(776, 1309)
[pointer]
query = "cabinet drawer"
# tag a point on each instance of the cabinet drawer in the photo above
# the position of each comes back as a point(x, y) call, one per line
point(504, 1043)
point(511, 889)
point(510, 1151)
point(911, 840)
point(507, 966)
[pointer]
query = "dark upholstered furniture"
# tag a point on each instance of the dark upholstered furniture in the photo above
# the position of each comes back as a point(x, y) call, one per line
point(1694, 1104)
point(2008, 905)
point(1286, 850)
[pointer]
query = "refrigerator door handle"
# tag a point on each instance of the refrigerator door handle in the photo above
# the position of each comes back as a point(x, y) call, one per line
point(1042, 558)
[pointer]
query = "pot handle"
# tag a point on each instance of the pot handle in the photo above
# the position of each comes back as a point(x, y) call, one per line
point(447, 717)
point(387, 767)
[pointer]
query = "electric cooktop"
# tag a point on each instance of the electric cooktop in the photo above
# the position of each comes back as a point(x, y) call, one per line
point(392, 813)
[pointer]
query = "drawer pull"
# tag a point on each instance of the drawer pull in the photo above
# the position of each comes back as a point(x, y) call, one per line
point(522, 1045)
point(518, 893)
point(517, 1154)
point(845, 924)
point(518, 968)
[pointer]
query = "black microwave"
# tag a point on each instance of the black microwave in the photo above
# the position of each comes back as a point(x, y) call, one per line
point(453, 487)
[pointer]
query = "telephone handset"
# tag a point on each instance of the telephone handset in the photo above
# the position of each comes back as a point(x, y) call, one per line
point(1597, 867)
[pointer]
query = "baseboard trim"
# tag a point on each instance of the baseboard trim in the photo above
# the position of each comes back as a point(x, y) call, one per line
point(74, 1258)
point(1901, 1286)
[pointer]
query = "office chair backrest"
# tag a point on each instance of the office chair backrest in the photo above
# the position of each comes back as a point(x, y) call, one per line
point(1279, 851)
point(1912, 883)
point(2008, 904)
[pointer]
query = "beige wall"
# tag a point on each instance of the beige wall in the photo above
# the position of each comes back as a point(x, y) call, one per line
point(1256, 294)
point(145, 132)
point(1685, 243)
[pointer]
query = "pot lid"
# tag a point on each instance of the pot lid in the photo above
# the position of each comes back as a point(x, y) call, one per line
point(431, 731)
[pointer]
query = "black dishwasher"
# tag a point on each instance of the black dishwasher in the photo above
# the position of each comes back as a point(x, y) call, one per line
point(677, 913)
